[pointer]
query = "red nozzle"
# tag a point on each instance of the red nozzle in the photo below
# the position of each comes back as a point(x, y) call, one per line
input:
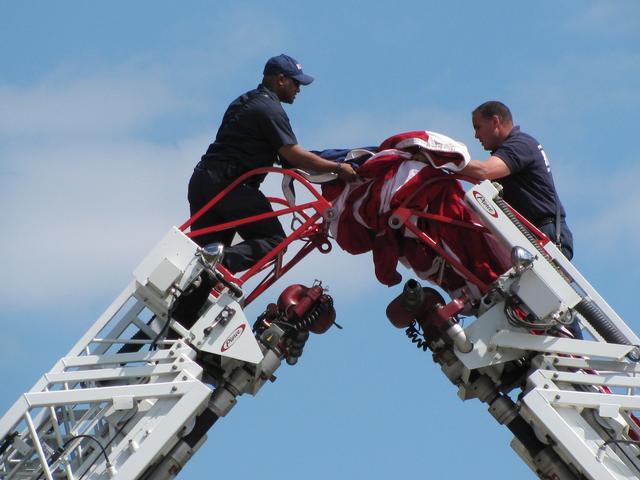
point(296, 301)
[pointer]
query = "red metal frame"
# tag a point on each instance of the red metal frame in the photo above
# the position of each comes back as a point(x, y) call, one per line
point(312, 230)
point(402, 214)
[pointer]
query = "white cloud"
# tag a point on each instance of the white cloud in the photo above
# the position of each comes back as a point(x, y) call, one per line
point(83, 216)
point(86, 196)
point(103, 104)
point(120, 99)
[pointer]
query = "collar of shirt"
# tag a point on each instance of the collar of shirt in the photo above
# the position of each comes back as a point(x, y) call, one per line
point(263, 89)
point(514, 131)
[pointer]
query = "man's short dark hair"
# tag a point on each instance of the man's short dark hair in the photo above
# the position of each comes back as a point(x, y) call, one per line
point(270, 81)
point(493, 107)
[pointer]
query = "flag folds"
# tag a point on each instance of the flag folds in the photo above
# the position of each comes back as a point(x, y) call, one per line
point(412, 170)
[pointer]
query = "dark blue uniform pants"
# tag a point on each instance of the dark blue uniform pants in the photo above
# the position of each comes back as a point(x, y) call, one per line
point(566, 237)
point(259, 238)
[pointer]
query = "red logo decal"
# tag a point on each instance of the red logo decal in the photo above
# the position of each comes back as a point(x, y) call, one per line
point(231, 339)
point(485, 204)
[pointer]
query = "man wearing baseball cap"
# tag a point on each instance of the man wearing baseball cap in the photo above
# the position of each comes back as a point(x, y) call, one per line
point(288, 66)
point(255, 132)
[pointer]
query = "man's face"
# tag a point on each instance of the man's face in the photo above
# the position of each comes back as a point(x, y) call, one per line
point(288, 88)
point(486, 130)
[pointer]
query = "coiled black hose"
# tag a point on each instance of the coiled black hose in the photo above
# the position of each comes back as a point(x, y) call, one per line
point(415, 334)
point(307, 321)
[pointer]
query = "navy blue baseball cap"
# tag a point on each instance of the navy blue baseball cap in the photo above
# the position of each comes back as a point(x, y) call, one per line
point(287, 66)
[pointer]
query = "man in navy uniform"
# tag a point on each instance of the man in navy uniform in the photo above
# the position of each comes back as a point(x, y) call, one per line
point(255, 132)
point(520, 165)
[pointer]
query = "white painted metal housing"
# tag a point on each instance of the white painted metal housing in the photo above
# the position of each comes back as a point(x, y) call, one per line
point(104, 411)
point(572, 404)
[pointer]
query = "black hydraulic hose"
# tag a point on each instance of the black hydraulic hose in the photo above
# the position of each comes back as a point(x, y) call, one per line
point(524, 433)
point(235, 290)
point(204, 422)
point(603, 325)
point(527, 437)
point(504, 410)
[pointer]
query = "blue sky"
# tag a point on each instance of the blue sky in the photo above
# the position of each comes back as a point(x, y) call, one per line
point(105, 109)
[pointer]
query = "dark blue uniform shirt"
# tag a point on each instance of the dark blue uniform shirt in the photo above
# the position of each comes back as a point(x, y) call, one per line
point(253, 128)
point(529, 188)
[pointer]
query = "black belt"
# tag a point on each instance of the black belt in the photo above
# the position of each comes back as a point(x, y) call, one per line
point(208, 165)
point(547, 221)
point(222, 171)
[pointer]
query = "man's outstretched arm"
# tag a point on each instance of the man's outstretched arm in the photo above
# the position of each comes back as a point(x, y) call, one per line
point(305, 160)
point(492, 168)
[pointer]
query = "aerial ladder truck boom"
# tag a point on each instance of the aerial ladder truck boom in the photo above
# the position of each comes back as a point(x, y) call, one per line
point(111, 409)
point(569, 402)
point(135, 397)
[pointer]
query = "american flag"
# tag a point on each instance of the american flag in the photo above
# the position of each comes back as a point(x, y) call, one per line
point(413, 170)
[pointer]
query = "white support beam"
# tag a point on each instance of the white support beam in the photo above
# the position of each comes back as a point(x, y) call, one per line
point(586, 378)
point(548, 344)
point(105, 394)
point(560, 361)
